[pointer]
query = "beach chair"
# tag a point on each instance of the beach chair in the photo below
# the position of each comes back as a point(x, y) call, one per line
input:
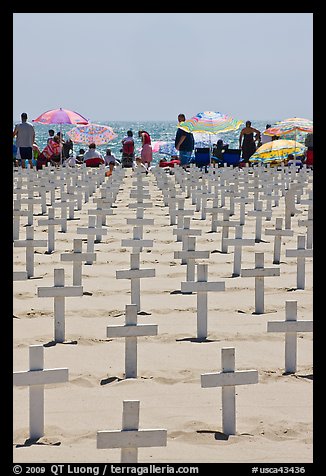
point(232, 156)
point(202, 157)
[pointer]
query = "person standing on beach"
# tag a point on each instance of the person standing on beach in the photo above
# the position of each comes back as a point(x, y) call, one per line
point(185, 143)
point(146, 153)
point(25, 138)
point(247, 141)
point(128, 150)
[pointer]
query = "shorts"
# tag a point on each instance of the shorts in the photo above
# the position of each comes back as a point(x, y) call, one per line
point(185, 157)
point(26, 153)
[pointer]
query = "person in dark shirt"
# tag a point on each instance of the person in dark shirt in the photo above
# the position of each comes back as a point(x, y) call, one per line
point(217, 153)
point(184, 143)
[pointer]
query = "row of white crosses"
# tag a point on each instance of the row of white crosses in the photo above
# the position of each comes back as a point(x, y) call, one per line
point(130, 442)
point(36, 377)
point(30, 243)
point(135, 273)
point(51, 221)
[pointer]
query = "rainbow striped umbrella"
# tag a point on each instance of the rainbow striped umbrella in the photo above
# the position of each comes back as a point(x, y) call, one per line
point(210, 122)
point(92, 133)
point(293, 124)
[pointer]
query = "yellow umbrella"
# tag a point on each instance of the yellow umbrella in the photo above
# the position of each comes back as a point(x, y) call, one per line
point(277, 151)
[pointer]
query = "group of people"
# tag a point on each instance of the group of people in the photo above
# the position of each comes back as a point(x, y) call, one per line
point(26, 150)
point(58, 150)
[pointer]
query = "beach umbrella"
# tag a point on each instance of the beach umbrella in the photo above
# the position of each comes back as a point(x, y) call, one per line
point(287, 126)
point(291, 126)
point(61, 116)
point(211, 123)
point(96, 133)
point(277, 151)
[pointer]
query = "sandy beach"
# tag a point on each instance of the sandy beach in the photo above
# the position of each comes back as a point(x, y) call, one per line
point(273, 418)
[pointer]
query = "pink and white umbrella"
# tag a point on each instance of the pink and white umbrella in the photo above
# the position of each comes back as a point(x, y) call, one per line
point(96, 133)
point(61, 116)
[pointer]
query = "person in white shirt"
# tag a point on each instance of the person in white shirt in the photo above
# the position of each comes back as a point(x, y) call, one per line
point(93, 158)
point(109, 157)
point(264, 138)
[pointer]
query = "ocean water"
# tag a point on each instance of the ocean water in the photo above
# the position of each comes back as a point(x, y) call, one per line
point(158, 130)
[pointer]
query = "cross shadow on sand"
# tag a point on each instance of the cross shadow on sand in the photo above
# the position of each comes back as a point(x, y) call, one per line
point(38, 441)
point(196, 339)
point(52, 343)
point(218, 435)
point(107, 380)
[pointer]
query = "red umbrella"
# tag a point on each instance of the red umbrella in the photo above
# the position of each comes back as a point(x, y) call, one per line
point(61, 116)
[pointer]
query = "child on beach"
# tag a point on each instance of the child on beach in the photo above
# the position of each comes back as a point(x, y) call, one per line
point(139, 166)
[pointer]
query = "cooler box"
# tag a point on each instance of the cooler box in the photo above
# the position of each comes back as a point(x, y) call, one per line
point(232, 156)
point(202, 156)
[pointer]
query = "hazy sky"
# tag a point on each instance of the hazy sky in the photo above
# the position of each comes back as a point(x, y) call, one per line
point(152, 66)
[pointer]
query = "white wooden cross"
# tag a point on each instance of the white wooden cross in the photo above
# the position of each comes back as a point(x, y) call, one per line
point(238, 242)
point(51, 221)
point(17, 213)
point(190, 255)
point(181, 212)
point(232, 194)
point(259, 213)
point(101, 213)
point(301, 253)
point(259, 273)
point(104, 203)
point(77, 257)
point(202, 287)
point(172, 203)
point(243, 200)
point(91, 231)
point(140, 204)
point(31, 201)
point(140, 220)
point(134, 274)
point(59, 292)
point(290, 327)
point(214, 210)
point(137, 242)
point(35, 378)
point(185, 231)
point(201, 200)
point(308, 223)
point(30, 244)
point(63, 206)
point(226, 223)
point(19, 275)
point(130, 331)
point(290, 209)
point(130, 438)
point(278, 233)
point(72, 201)
point(139, 193)
point(228, 379)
